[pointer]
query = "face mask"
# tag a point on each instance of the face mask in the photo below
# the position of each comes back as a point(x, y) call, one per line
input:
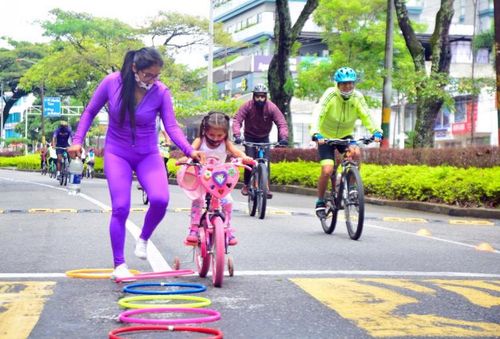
point(142, 84)
point(259, 103)
point(212, 142)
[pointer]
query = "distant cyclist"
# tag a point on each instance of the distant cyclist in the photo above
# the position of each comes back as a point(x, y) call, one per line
point(61, 138)
point(258, 116)
point(334, 117)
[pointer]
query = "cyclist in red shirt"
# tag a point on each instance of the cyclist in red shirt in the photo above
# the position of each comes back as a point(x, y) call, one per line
point(258, 116)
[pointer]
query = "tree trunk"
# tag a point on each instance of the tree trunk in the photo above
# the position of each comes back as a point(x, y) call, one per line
point(279, 76)
point(428, 108)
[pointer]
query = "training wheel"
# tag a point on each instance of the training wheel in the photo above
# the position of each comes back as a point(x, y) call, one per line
point(230, 266)
point(177, 264)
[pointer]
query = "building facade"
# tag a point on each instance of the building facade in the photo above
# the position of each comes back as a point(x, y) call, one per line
point(472, 120)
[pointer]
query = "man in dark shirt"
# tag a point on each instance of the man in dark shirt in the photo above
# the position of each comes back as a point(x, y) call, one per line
point(258, 116)
point(60, 140)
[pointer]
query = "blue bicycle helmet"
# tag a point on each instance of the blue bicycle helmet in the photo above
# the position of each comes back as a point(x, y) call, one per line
point(345, 74)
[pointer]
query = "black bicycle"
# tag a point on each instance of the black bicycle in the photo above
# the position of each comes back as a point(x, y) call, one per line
point(348, 194)
point(64, 175)
point(258, 185)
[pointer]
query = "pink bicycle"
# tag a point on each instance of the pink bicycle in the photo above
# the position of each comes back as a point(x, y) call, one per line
point(216, 181)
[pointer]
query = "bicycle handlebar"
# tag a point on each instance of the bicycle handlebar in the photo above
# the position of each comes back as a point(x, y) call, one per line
point(235, 161)
point(260, 144)
point(347, 142)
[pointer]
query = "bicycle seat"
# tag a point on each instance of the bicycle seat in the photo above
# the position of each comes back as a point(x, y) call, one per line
point(219, 180)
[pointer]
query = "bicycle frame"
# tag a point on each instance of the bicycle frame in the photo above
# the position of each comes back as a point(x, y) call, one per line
point(218, 180)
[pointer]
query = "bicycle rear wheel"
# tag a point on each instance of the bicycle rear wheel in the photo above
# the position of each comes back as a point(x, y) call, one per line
point(330, 220)
point(145, 198)
point(354, 203)
point(218, 251)
point(252, 193)
point(262, 191)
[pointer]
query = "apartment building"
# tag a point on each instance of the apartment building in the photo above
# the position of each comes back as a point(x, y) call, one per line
point(473, 119)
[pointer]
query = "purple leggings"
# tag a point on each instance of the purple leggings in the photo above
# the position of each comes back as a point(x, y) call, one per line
point(151, 174)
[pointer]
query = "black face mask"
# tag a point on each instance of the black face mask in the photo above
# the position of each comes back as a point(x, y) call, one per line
point(259, 103)
point(213, 143)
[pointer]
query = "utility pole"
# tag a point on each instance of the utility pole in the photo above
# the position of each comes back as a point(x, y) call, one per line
point(387, 94)
point(42, 96)
point(210, 50)
point(474, 103)
point(496, 11)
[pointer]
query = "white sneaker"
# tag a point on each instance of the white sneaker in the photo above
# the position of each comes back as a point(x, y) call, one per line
point(141, 249)
point(121, 271)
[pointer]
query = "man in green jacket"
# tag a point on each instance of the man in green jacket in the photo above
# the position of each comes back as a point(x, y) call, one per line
point(334, 117)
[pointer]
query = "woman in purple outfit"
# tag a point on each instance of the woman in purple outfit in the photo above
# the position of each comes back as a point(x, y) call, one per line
point(135, 97)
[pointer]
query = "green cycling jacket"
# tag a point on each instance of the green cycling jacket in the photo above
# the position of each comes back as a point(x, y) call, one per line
point(333, 117)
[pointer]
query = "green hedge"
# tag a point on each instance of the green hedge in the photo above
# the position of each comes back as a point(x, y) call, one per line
point(466, 187)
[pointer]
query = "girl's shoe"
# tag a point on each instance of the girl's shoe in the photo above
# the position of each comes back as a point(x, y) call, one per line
point(231, 239)
point(192, 238)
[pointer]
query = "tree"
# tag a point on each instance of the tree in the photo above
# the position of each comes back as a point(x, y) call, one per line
point(355, 34)
point(430, 89)
point(280, 80)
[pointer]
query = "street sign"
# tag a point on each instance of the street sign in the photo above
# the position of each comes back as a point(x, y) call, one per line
point(51, 106)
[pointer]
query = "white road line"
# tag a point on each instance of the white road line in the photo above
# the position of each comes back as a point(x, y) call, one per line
point(427, 237)
point(272, 273)
point(155, 259)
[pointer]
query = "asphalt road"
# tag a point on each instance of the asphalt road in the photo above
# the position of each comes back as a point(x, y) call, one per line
point(411, 274)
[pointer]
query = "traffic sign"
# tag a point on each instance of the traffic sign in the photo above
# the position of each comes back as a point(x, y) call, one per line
point(51, 106)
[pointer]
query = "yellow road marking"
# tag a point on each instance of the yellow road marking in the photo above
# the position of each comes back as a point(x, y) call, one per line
point(377, 307)
point(398, 219)
point(471, 222)
point(279, 212)
point(182, 209)
point(1, 211)
point(40, 210)
point(138, 209)
point(20, 306)
point(65, 210)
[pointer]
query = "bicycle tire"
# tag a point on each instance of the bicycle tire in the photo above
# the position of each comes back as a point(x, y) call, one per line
point(145, 199)
point(202, 256)
point(252, 193)
point(262, 192)
point(354, 203)
point(218, 251)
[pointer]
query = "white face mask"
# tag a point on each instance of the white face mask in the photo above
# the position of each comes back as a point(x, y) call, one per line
point(142, 84)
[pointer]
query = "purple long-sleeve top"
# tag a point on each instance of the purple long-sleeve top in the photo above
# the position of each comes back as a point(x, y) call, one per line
point(121, 136)
point(259, 120)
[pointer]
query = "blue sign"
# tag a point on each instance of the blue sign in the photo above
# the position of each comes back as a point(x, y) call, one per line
point(51, 106)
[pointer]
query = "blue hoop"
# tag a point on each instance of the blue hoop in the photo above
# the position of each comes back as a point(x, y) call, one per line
point(196, 288)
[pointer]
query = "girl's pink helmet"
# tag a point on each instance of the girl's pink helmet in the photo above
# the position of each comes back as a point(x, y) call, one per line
point(189, 180)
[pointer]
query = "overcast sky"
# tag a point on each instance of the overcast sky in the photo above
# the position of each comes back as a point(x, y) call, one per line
point(17, 17)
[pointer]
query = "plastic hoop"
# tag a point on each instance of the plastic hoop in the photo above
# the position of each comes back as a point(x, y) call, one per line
point(217, 333)
point(196, 288)
point(212, 315)
point(155, 275)
point(93, 273)
point(127, 302)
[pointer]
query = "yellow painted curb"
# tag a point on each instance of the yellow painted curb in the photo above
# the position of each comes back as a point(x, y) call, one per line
point(484, 246)
point(424, 232)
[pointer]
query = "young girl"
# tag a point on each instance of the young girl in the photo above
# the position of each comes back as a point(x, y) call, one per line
point(214, 142)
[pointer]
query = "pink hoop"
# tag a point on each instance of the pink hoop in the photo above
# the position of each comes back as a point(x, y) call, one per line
point(155, 275)
point(217, 333)
point(213, 315)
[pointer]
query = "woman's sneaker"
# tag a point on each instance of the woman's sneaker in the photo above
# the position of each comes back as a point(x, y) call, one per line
point(141, 249)
point(192, 238)
point(121, 271)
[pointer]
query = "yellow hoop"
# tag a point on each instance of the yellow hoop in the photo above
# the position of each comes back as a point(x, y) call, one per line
point(93, 273)
point(127, 302)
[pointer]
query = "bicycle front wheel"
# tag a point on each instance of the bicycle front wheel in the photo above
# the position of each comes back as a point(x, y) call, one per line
point(252, 193)
point(262, 191)
point(354, 203)
point(218, 251)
